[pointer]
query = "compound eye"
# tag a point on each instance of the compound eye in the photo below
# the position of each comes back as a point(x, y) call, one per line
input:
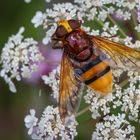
point(74, 23)
point(61, 32)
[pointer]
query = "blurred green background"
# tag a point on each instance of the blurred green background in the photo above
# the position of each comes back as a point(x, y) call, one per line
point(14, 106)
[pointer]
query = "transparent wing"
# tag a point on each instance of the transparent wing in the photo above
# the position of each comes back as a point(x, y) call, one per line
point(122, 56)
point(70, 89)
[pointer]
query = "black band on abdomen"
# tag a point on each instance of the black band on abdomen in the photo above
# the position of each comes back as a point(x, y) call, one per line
point(91, 64)
point(106, 70)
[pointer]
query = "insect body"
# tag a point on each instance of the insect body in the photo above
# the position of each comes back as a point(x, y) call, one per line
point(84, 61)
point(89, 65)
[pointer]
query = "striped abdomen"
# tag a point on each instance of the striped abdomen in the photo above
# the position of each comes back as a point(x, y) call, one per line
point(97, 75)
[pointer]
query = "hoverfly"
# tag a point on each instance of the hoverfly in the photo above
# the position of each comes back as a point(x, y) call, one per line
point(84, 61)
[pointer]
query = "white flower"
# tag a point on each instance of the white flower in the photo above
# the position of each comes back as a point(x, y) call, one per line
point(113, 30)
point(53, 81)
point(98, 104)
point(137, 28)
point(131, 98)
point(50, 126)
point(61, 11)
point(131, 5)
point(93, 12)
point(126, 15)
point(95, 32)
point(102, 15)
point(49, 34)
point(109, 31)
point(119, 13)
point(38, 19)
point(137, 44)
point(30, 121)
point(114, 128)
point(111, 10)
point(128, 40)
point(106, 26)
point(19, 58)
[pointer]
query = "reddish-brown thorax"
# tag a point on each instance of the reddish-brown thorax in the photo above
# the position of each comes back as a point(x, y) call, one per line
point(77, 43)
point(73, 40)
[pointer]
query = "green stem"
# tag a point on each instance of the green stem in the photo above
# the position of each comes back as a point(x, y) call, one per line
point(115, 23)
point(134, 19)
point(99, 21)
point(82, 111)
point(124, 83)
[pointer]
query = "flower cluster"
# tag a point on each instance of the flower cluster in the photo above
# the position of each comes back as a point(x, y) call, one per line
point(99, 11)
point(114, 128)
point(53, 81)
point(50, 125)
point(131, 97)
point(50, 18)
point(97, 103)
point(19, 58)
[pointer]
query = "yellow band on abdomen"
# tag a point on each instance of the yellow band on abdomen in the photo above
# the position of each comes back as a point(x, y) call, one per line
point(94, 70)
point(103, 85)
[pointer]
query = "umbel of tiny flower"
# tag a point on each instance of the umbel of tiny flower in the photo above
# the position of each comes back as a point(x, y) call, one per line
point(50, 126)
point(99, 10)
point(53, 81)
point(19, 58)
point(114, 128)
